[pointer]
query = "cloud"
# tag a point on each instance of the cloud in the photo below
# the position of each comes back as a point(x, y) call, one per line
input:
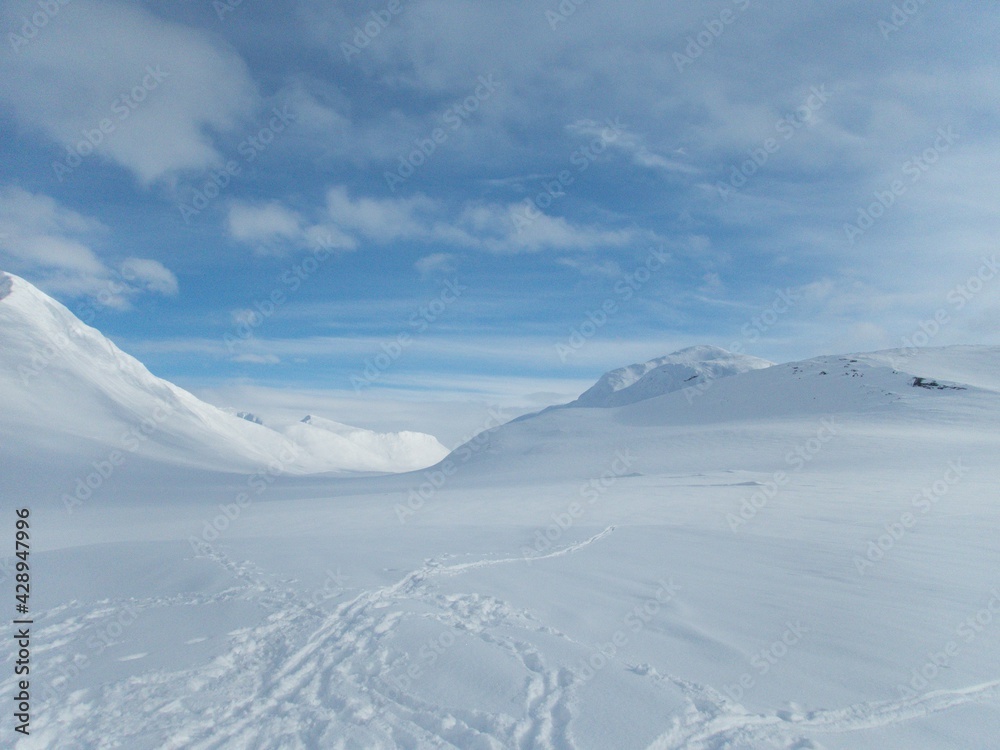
point(151, 275)
point(634, 146)
point(435, 263)
point(52, 245)
point(712, 285)
point(493, 227)
point(256, 359)
point(140, 91)
point(382, 220)
point(508, 229)
point(609, 269)
point(263, 222)
point(469, 352)
point(271, 227)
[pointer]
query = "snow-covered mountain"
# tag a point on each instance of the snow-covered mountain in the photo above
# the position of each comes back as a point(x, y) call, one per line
point(688, 425)
point(795, 556)
point(687, 368)
point(67, 392)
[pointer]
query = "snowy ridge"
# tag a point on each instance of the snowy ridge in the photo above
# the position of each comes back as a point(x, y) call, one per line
point(858, 387)
point(686, 368)
point(66, 388)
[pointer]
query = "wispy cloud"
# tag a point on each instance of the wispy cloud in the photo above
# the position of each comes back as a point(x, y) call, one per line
point(632, 145)
point(54, 245)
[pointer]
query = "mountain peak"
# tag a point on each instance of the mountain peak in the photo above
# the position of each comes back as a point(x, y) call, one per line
point(673, 372)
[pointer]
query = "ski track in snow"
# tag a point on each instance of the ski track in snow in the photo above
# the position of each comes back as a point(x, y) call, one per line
point(714, 722)
point(307, 678)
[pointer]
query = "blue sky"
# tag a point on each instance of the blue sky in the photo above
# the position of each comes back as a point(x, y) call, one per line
point(529, 193)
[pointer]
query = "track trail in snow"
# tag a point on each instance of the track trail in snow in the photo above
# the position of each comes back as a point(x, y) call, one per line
point(714, 722)
point(306, 678)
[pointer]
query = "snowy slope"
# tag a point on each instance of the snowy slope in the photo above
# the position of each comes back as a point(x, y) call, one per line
point(863, 390)
point(366, 450)
point(687, 368)
point(798, 557)
point(69, 393)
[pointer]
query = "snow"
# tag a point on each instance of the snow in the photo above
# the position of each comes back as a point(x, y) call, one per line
point(366, 450)
point(801, 555)
point(686, 368)
point(80, 389)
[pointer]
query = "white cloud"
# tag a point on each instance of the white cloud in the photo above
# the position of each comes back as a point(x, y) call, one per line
point(493, 227)
point(150, 274)
point(587, 267)
point(317, 106)
point(256, 359)
point(271, 226)
point(435, 263)
point(51, 245)
point(329, 236)
point(382, 220)
point(161, 89)
point(616, 136)
point(510, 231)
point(265, 222)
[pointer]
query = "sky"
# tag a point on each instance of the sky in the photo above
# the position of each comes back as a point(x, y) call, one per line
point(402, 213)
